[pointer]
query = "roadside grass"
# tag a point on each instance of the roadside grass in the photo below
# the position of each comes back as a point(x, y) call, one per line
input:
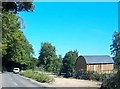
point(40, 77)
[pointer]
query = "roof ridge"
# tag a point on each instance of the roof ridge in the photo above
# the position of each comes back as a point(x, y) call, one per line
point(98, 59)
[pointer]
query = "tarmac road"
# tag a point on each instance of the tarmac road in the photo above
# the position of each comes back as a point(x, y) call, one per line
point(10, 79)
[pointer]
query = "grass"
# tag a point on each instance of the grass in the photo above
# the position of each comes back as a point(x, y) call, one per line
point(40, 77)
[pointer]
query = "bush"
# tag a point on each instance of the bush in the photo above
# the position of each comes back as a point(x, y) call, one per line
point(112, 82)
point(40, 77)
point(91, 76)
point(43, 78)
point(109, 83)
point(83, 75)
point(41, 68)
point(28, 73)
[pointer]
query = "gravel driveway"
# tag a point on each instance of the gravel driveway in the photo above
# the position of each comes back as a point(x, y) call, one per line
point(65, 82)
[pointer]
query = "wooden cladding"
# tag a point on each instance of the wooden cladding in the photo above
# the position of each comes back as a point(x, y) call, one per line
point(100, 68)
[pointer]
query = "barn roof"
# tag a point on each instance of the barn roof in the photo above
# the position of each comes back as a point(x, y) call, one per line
point(100, 59)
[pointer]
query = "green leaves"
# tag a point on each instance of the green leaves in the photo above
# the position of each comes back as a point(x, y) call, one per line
point(114, 82)
point(69, 62)
point(15, 46)
point(115, 49)
point(17, 6)
point(52, 63)
point(48, 57)
point(40, 77)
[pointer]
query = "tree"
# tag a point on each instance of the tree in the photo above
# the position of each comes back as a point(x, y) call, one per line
point(57, 64)
point(15, 46)
point(114, 81)
point(9, 25)
point(115, 49)
point(48, 57)
point(17, 6)
point(69, 62)
point(47, 51)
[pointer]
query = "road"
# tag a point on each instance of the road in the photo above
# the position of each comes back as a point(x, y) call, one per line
point(15, 80)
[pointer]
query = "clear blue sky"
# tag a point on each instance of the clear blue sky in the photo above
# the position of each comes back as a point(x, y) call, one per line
point(87, 27)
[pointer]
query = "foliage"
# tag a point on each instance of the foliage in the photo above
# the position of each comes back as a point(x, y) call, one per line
point(17, 6)
point(69, 63)
point(108, 83)
point(15, 46)
point(48, 58)
point(115, 49)
point(57, 64)
point(114, 82)
point(40, 77)
point(92, 76)
point(40, 68)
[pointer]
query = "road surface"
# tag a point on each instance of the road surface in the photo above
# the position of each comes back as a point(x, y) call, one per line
point(15, 80)
point(0, 80)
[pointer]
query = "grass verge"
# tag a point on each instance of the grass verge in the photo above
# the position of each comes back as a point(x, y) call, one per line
point(40, 77)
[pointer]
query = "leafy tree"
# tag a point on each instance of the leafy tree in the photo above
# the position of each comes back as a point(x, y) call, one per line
point(17, 6)
point(48, 57)
point(57, 64)
point(15, 46)
point(115, 48)
point(9, 25)
point(114, 82)
point(47, 51)
point(69, 62)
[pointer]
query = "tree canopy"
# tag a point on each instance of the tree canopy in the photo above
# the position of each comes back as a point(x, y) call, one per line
point(15, 46)
point(17, 6)
point(114, 81)
point(69, 62)
point(115, 49)
point(48, 57)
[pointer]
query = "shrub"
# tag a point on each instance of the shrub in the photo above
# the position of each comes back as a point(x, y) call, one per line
point(109, 83)
point(83, 75)
point(28, 73)
point(41, 68)
point(112, 82)
point(40, 77)
point(91, 76)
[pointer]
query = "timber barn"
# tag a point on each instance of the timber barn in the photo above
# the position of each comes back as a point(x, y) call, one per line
point(99, 64)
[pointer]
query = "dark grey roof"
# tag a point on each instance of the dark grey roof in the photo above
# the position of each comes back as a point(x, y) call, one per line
point(98, 59)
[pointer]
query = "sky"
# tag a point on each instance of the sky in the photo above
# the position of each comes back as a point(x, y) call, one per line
point(85, 26)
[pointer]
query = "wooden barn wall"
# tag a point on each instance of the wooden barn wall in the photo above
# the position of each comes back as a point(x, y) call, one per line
point(80, 64)
point(100, 68)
